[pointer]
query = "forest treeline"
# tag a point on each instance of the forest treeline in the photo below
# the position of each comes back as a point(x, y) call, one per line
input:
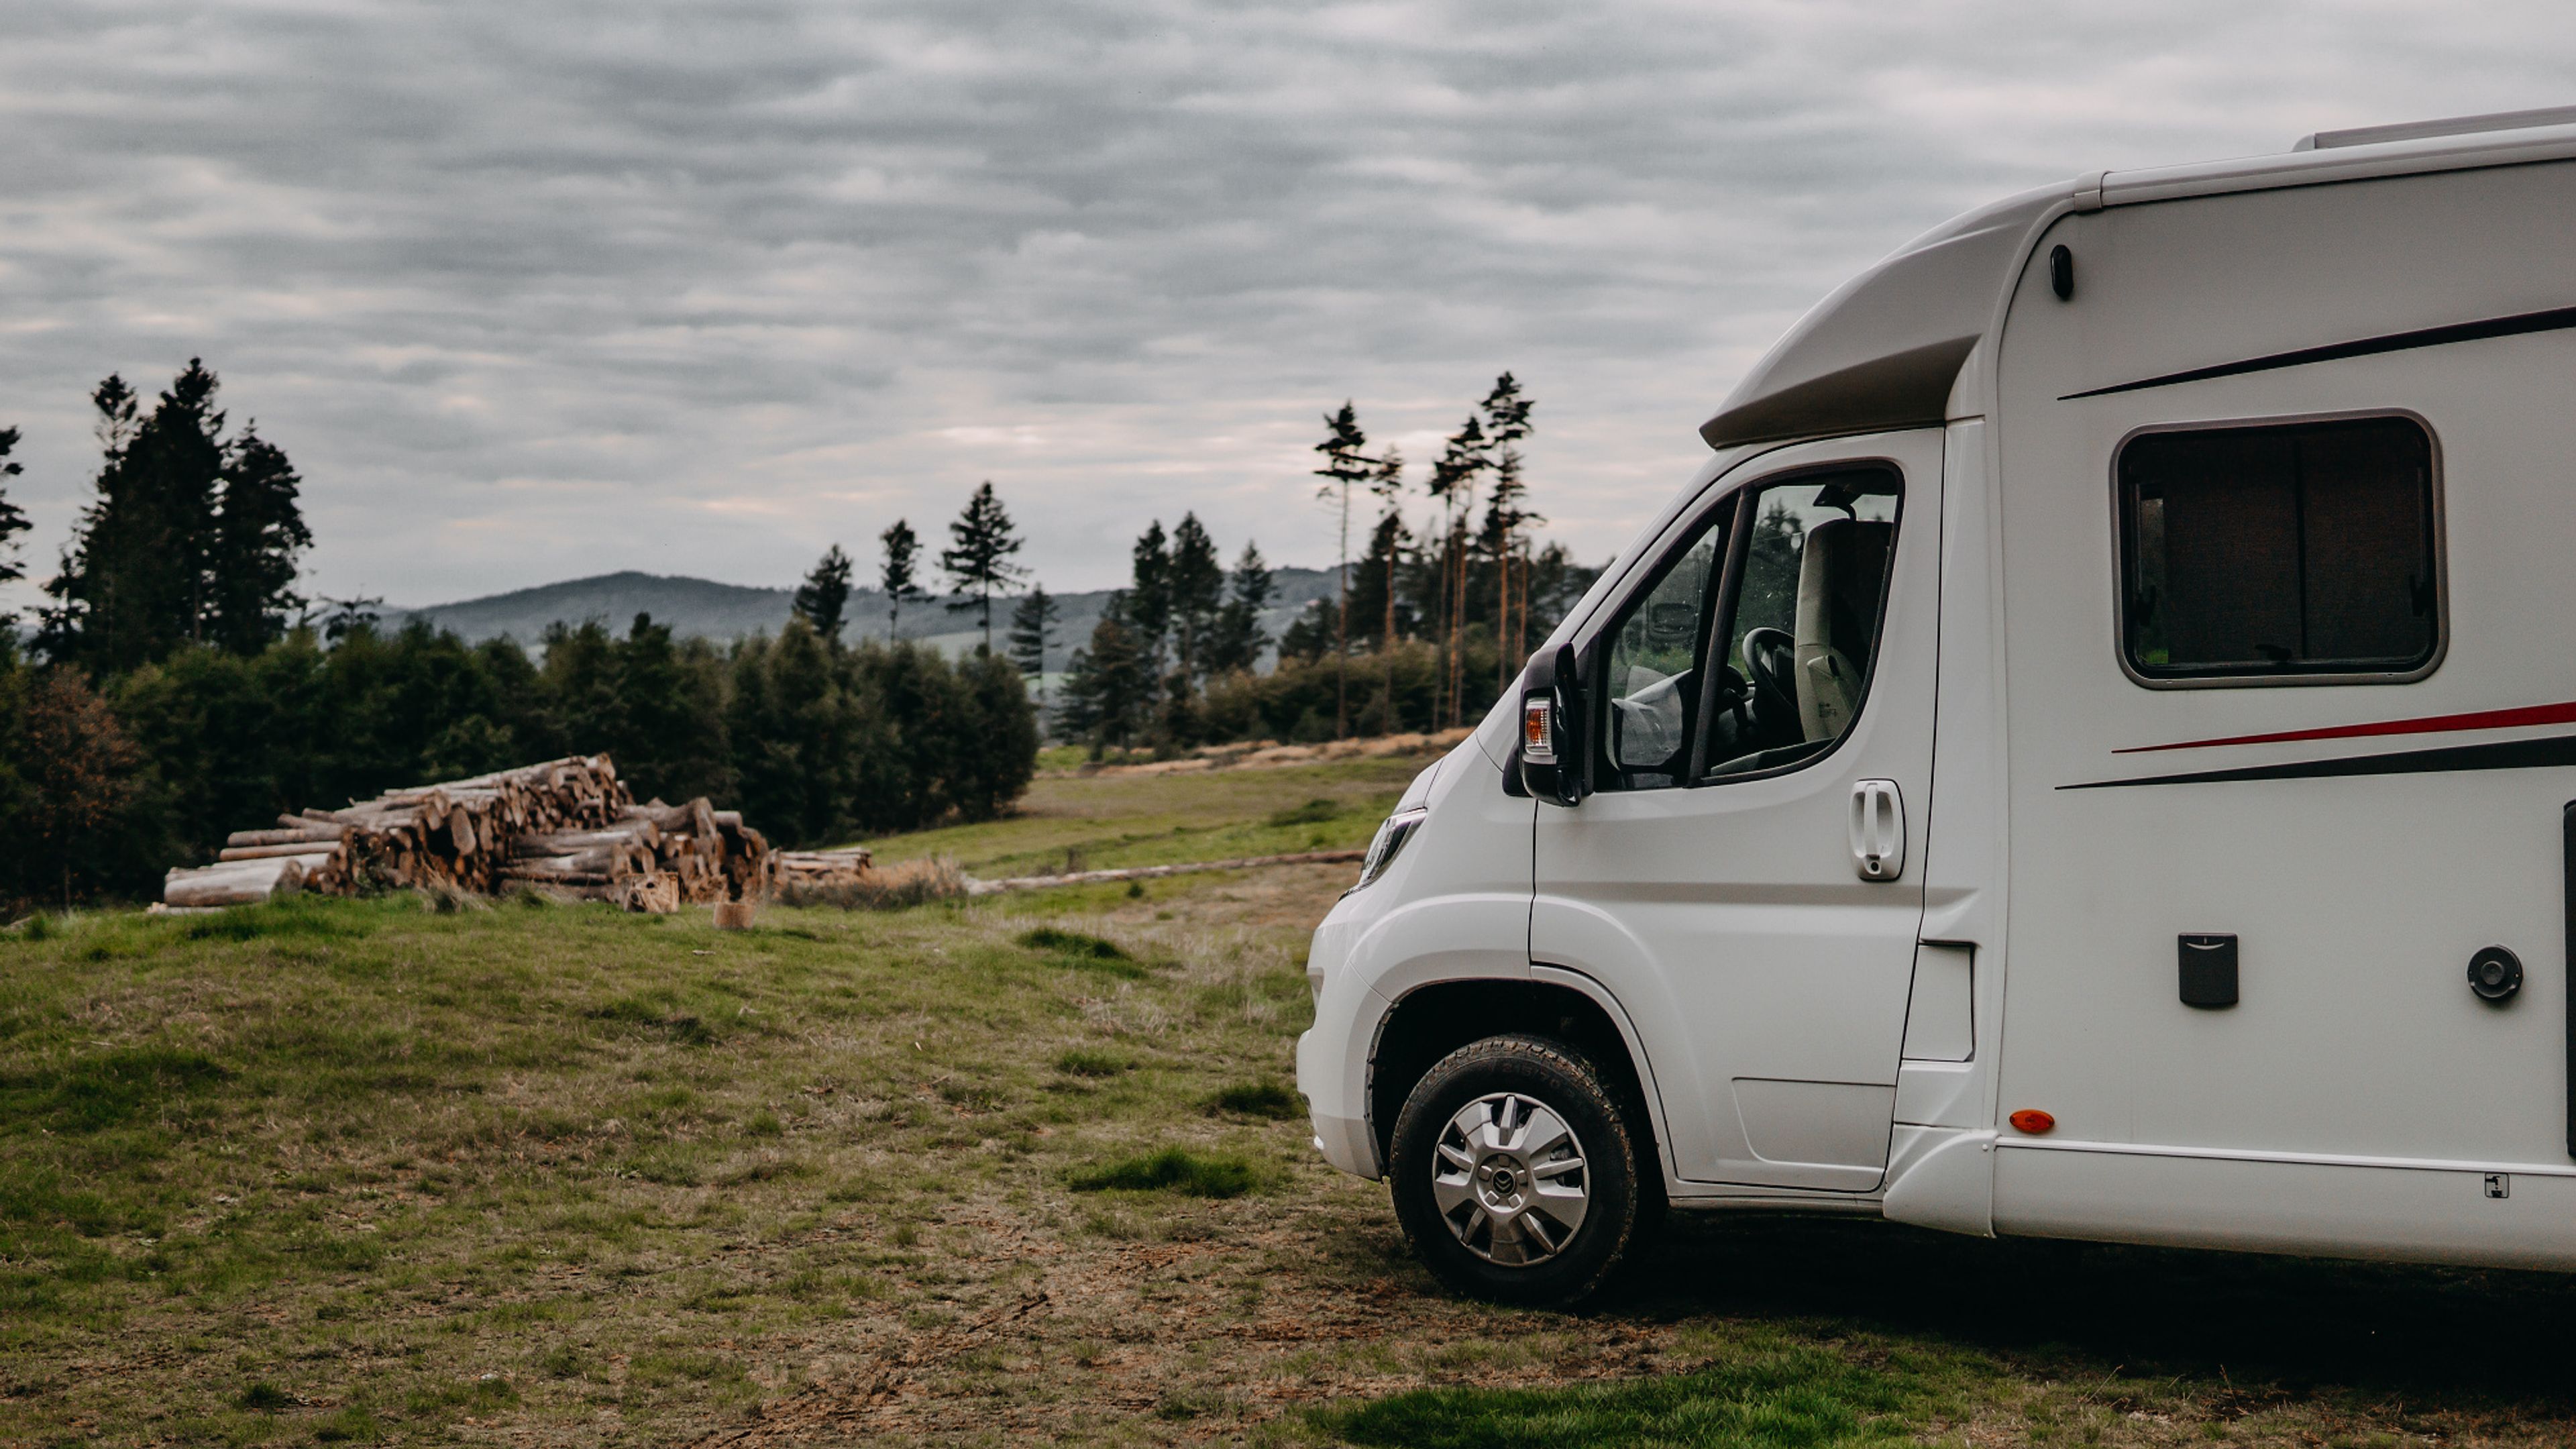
point(176, 687)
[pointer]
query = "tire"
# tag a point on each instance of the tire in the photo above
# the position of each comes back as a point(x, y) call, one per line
point(1479, 1173)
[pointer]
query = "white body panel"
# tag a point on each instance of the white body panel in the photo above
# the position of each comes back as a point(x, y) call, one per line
point(1801, 1036)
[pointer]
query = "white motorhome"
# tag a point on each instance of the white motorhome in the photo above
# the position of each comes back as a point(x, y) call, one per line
point(2089, 755)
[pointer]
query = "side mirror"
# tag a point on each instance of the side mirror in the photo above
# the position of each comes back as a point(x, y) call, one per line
point(1552, 719)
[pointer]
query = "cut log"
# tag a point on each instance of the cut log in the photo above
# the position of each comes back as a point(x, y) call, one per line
point(243, 884)
point(266, 852)
point(307, 831)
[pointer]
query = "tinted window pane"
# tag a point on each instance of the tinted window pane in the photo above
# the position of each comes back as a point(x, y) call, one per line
point(2259, 552)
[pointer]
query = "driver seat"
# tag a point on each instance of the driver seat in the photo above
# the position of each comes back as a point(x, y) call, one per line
point(1841, 572)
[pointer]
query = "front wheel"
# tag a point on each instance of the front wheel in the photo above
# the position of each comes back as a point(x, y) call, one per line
point(1515, 1172)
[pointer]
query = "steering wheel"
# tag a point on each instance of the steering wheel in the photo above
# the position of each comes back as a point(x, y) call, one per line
point(1769, 655)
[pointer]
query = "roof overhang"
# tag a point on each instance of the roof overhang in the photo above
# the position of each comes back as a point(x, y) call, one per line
point(1884, 349)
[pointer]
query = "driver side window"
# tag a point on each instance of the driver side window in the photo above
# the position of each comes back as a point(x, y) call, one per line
point(1789, 578)
point(1803, 627)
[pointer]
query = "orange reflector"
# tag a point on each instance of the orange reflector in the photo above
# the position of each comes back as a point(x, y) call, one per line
point(2032, 1121)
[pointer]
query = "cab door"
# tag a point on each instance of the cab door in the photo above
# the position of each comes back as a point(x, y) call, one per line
point(1745, 873)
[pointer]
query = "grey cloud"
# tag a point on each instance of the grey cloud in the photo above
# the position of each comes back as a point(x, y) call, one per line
point(536, 290)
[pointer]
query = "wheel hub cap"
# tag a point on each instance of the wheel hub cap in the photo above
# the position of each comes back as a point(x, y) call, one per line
point(1508, 1177)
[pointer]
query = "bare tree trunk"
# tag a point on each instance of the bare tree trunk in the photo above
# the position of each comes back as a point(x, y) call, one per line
point(1342, 628)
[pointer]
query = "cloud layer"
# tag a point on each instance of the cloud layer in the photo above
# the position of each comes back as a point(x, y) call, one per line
point(537, 291)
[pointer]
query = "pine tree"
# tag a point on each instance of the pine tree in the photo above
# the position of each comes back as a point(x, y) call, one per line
point(978, 560)
point(1033, 636)
point(899, 577)
point(1109, 686)
point(1464, 456)
point(1507, 424)
point(133, 585)
point(1197, 590)
point(1383, 615)
point(251, 559)
point(1344, 467)
point(1237, 639)
point(1309, 636)
point(1386, 481)
point(825, 594)
point(1149, 593)
point(13, 519)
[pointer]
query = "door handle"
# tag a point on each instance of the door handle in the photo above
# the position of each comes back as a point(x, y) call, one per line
point(1877, 830)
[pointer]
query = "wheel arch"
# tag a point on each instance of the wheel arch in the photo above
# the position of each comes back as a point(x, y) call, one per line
point(1435, 1019)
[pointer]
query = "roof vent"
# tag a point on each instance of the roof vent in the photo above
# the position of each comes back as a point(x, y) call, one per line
point(2455, 126)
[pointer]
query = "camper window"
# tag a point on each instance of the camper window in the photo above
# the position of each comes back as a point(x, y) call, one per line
point(2284, 551)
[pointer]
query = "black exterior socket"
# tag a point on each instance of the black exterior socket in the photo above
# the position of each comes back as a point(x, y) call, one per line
point(2208, 970)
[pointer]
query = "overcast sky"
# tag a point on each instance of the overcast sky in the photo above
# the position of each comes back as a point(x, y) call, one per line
point(537, 290)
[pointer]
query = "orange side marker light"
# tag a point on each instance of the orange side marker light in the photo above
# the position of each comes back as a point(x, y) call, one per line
point(2032, 1121)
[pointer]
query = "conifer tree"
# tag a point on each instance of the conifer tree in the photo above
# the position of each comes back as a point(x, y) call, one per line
point(1344, 467)
point(1464, 456)
point(1197, 589)
point(1149, 593)
point(258, 533)
point(1109, 686)
point(13, 519)
point(825, 594)
point(1236, 641)
point(1386, 481)
point(1033, 636)
point(978, 559)
point(1507, 424)
point(899, 577)
point(134, 581)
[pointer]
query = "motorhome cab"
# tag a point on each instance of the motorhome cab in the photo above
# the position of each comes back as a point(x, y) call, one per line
point(2089, 755)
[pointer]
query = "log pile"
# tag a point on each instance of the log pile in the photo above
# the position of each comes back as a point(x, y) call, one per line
point(566, 825)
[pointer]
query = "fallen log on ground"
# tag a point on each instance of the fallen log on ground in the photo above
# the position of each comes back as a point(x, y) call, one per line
point(976, 887)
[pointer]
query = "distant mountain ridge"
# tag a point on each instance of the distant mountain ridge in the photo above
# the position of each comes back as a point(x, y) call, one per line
point(703, 608)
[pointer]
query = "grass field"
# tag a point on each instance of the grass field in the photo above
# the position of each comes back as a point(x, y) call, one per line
point(1069, 822)
point(1012, 1171)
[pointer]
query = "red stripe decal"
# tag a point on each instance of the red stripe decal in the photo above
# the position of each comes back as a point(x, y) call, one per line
point(2489, 719)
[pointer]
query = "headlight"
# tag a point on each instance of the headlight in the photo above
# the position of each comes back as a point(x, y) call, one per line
point(1390, 841)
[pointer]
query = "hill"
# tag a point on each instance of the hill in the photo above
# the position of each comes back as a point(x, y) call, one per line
point(703, 608)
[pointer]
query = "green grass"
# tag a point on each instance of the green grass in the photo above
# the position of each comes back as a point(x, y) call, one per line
point(1069, 823)
point(1796, 1399)
point(330, 1163)
point(1267, 1098)
point(1174, 1169)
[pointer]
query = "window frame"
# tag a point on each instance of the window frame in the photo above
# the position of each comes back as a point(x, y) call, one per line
point(1736, 504)
point(2440, 544)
